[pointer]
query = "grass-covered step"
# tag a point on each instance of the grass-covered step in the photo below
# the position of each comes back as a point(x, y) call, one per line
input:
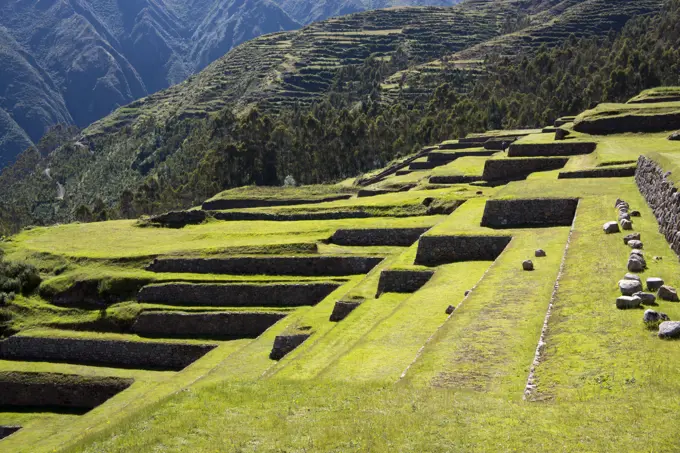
point(237, 295)
point(49, 391)
point(536, 212)
point(103, 352)
point(254, 197)
point(403, 280)
point(437, 250)
point(460, 144)
point(6, 431)
point(654, 95)
point(615, 171)
point(559, 148)
point(445, 157)
point(520, 167)
point(620, 118)
point(223, 325)
point(269, 265)
point(377, 236)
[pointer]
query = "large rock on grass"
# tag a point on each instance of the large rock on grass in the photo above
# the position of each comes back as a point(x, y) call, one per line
point(630, 287)
point(668, 293)
point(528, 265)
point(654, 283)
point(611, 227)
point(628, 302)
point(635, 244)
point(631, 237)
point(626, 225)
point(674, 136)
point(635, 264)
point(646, 298)
point(669, 329)
point(632, 277)
point(653, 318)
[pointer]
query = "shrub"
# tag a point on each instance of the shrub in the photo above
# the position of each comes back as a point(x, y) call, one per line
point(18, 277)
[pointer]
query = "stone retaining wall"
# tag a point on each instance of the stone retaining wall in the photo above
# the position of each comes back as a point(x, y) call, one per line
point(551, 149)
point(378, 236)
point(460, 179)
point(291, 217)
point(114, 353)
point(402, 280)
point(205, 325)
point(520, 167)
point(276, 265)
point(342, 309)
point(662, 196)
point(237, 295)
point(284, 344)
point(443, 158)
point(629, 123)
point(427, 165)
point(436, 250)
point(53, 390)
point(6, 431)
point(542, 212)
point(598, 173)
point(244, 203)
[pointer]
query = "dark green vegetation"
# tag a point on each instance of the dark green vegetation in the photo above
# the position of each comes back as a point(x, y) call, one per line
point(74, 62)
point(163, 152)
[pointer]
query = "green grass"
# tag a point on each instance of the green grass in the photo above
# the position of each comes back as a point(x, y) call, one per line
point(659, 94)
point(464, 166)
point(283, 193)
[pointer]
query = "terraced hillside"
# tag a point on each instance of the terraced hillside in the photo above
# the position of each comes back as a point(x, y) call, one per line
point(550, 26)
point(500, 292)
point(298, 67)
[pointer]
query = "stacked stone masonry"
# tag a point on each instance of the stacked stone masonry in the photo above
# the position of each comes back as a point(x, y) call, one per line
point(284, 344)
point(551, 149)
point(205, 325)
point(520, 167)
point(402, 280)
point(598, 173)
point(313, 266)
point(403, 237)
point(436, 250)
point(6, 431)
point(237, 295)
point(540, 212)
point(662, 196)
point(114, 353)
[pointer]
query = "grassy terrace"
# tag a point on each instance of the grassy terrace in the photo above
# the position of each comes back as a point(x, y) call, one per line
point(398, 373)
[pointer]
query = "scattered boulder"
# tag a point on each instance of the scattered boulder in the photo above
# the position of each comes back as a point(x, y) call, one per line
point(668, 293)
point(635, 244)
point(450, 309)
point(653, 318)
point(669, 329)
point(622, 205)
point(630, 287)
point(618, 202)
point(674, 136)
point(624, 216)
point(611, 227)
point(635, 264)
point(628, 302)
point(528, 265)
point(540, 253)
point(626, 224)
point(646, 298)
point(631, 237)
point(654, 283)
point(631, 277)
point(467, 292)
point(635, 214)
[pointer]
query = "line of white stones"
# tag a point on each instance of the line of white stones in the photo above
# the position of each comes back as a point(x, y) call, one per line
point(422, 348)
point(531, 385)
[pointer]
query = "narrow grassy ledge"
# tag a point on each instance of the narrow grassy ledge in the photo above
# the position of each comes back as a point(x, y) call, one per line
point(592, 349)
point(253, 196)
point(619, 118)
point(614, 171)
point(489, 342)
point(655, 95)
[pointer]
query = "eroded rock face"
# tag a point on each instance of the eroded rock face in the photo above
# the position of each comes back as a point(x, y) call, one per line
point(669, 329)
point(630, 287)
point(668, 293)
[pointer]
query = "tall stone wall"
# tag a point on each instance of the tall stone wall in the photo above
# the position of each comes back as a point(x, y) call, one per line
point(316, 266)
point(237, 295)
point(520, 167)
point(116, 353)
point(378, 236)
point(541, 212)
point(205, 325)
point(58, 390)
point(436, 250)
point(629, 123)
point(604, 172)
point(551, 149)
point(662, 196)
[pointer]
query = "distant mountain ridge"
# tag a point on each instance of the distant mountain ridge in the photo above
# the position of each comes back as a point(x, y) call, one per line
point(75, 61)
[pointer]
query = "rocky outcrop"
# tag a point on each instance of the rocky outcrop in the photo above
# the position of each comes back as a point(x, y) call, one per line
point(662, 196)
point(403, 237)
point(226, 325)
point(551, 149)
point(402, 280)
point(539, 212)
point(284, 344)
point(315, 266)
point(520, 167)
point(237, 295)
point(436, 250)
point(58, 390)
point(115, 353)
